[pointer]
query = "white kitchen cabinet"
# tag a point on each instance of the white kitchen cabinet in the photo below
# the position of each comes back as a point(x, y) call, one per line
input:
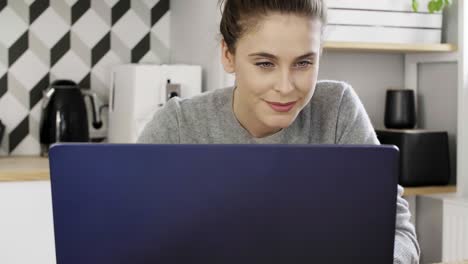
point(26, 223)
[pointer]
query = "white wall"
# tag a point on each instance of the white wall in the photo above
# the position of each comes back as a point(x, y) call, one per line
point(438, 103)
point(194, 38)
point(26, 224)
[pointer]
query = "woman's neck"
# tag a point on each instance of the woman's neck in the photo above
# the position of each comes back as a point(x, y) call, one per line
point(249, 121)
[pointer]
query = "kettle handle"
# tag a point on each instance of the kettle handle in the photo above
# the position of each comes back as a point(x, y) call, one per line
point(97, 123)
point(46, 95)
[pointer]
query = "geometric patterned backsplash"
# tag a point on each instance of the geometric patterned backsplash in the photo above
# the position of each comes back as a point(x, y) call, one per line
point(45, 40)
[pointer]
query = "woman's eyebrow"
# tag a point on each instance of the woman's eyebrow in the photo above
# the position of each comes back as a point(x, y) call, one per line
point(263, 54)
point(271, 56)
point(307, 55)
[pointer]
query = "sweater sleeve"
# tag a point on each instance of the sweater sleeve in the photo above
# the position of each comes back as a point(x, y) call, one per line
point(354, 127)
point(163, 128)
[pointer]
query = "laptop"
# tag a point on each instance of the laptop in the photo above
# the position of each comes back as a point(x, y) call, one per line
point(223, 203)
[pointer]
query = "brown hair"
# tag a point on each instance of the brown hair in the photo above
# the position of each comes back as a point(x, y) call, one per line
point(240, 16)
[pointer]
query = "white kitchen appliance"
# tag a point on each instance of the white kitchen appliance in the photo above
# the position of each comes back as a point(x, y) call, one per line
point(139, 90)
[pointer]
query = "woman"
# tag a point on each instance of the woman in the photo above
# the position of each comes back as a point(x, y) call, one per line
point(273, 47)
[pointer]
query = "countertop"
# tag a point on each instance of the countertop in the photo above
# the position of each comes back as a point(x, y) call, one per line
point(455, 262)
point(24, 169)
point(37, 169)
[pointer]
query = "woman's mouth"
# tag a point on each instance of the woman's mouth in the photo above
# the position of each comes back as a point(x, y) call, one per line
point(281, 107)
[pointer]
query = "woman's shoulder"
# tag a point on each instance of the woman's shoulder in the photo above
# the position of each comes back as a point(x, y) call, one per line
point(328, 95)
point(331, 88)
point(213, 96)
point(200, 107)
point(336, 93)
point(339, 102)
point(184, 113)
point(332, 97)
point(207, 102)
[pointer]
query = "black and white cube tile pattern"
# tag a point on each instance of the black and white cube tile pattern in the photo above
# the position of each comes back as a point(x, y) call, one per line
point(45, 40)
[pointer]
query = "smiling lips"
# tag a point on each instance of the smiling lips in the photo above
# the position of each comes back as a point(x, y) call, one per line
point(282, 107)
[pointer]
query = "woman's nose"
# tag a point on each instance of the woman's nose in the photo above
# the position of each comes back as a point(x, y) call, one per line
point(285, 84)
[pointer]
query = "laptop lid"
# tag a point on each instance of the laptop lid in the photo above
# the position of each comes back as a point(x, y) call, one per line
point(223, 203)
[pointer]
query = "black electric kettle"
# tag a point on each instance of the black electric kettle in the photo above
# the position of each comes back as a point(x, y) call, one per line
point(2, 129)
point(64, 116)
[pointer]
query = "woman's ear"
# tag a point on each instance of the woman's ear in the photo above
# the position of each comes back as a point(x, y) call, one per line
point(227, 58)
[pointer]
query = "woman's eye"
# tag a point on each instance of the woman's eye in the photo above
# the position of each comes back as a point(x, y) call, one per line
point(265, 64)
point(303, 64)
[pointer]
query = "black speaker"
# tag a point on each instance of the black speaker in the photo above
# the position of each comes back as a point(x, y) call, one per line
point(424, 155)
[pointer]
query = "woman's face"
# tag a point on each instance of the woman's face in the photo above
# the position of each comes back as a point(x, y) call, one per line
point(276, 66)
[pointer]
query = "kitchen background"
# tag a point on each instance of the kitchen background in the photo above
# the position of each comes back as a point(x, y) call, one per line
point(41, 41)
point(80, 40)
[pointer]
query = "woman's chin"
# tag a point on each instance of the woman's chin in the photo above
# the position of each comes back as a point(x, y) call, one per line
point(280, 122)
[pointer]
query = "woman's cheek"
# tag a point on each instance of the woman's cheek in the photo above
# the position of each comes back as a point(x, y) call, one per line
point(260, 84)
point(306, 80)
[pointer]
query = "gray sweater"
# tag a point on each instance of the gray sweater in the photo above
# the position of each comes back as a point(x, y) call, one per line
point(335, 115)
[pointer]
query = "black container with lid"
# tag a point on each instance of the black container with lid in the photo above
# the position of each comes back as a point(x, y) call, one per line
point(400, 109)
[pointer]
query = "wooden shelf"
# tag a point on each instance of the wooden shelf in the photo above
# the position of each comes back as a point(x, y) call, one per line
point(24, 169)
point(388, 47)
point(411, 191)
